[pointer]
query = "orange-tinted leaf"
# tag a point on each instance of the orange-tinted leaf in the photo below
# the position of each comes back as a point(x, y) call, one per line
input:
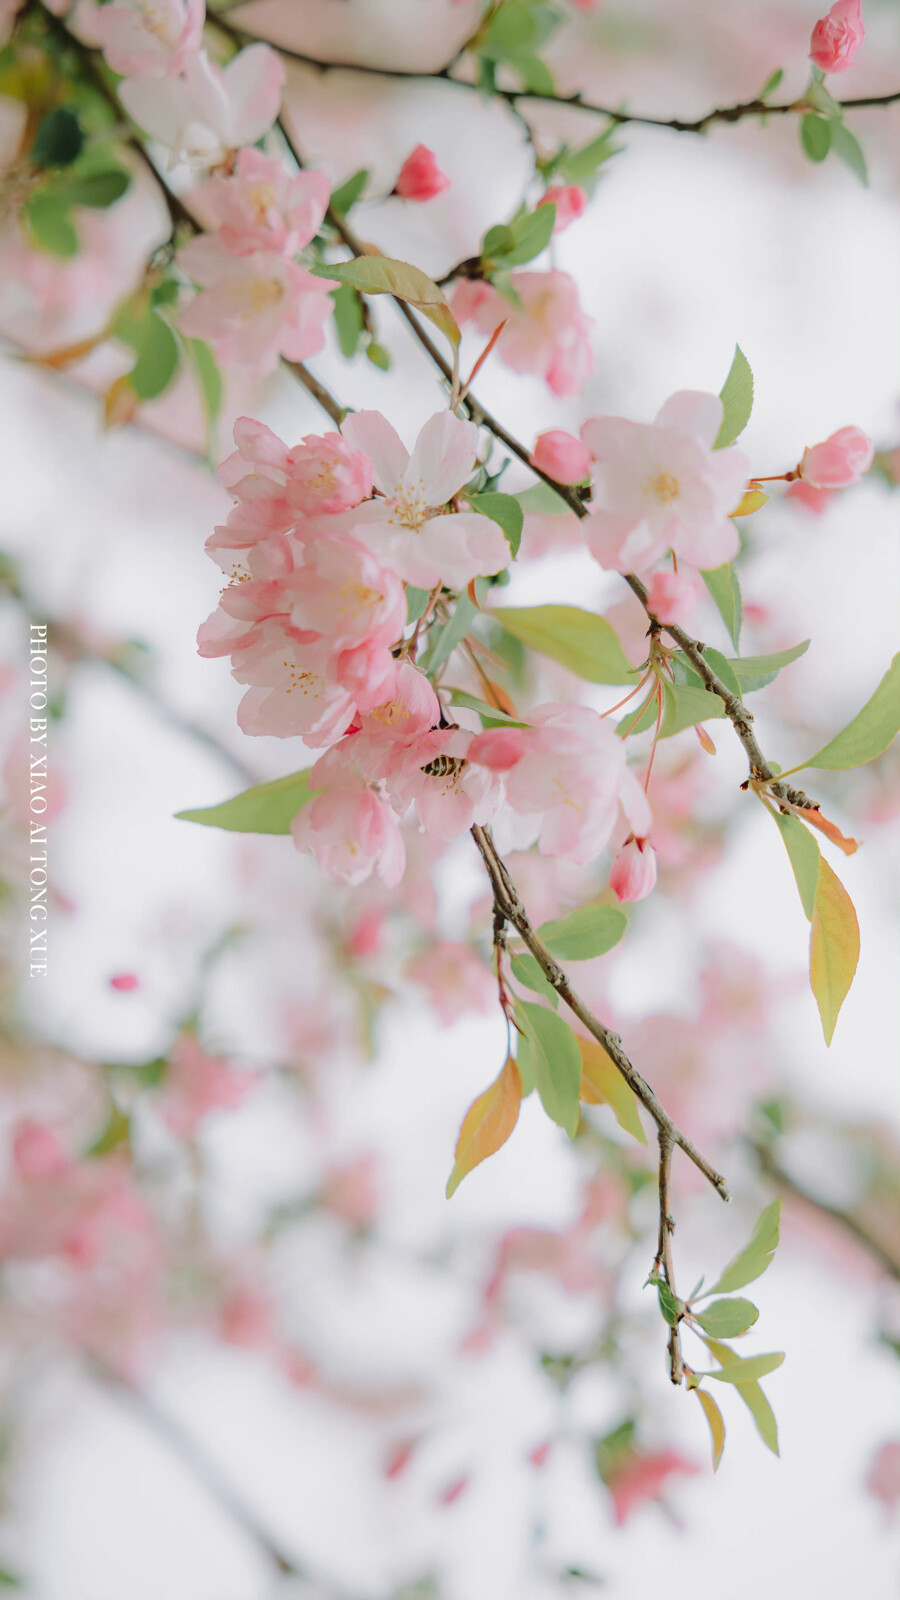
point(120, 403)
point(834, 947)
point(705, 740)
point(716, 1425)
point(488, 1123)
point(59, 359)
point(750, 502)
point(830, 830)
point(602, 1084)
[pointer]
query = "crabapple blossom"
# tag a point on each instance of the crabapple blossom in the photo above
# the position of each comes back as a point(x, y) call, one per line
point(570, 201)
point(342, 592)
point(549, 336)
point(351, 830)
point(253, 308)
point(633, 873)
point(661, 486)
point(406, 528)
point(150, 38)
point(567, 775)
point(326, 476)
point(670, 596)
point(275, 487)
point(420, 177)
point(209, 110)
point(839, 461)
point(456, 978)
point(293, 686)
point(262, 206)
point(815, 500)
point(561, 456)
point(197, 1083)
point(638, 1477)
point(837, 37)
point(450, 799)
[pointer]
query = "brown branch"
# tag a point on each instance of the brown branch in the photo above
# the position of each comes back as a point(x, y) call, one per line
point(507, 901)
point(664, 1248)
point(771, 1166)
point(313, 385)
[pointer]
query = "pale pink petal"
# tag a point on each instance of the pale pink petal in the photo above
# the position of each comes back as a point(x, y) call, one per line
point(443, 457)
point(370, 432)
point(694, 412)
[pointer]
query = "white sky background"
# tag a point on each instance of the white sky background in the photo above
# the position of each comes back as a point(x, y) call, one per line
point(690, 246)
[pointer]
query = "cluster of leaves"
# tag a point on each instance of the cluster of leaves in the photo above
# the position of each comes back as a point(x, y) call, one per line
point(823, 129)
point(512, 36)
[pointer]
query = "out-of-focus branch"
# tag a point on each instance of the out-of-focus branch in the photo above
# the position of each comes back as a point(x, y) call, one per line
point(507, 902)
point(771, 1166)
point(664, 1248)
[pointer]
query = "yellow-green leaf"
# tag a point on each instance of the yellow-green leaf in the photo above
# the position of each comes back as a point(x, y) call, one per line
point(752, 1396)
point(266, 808)
point(748, 1371)
point(752, 1261)
point(602, 1084)
point(804, 855)
point(381, 275)
point(726, 1319)
point(736, 396)
point(487, 1124)
point(716, 1425)
point(556, 1062)
point(590, 931)
point(579, 640)
point(870, 732)
point(834, 947)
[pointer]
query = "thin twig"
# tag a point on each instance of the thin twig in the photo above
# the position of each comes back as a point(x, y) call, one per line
point(664, 1248)
point(507, 900)
point(773, 1169)
point(314, 386)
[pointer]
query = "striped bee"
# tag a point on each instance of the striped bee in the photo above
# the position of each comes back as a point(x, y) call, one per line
point(444, 767)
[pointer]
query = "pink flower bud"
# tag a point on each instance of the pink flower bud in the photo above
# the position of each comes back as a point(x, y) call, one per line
point(633, 874)
point(561, 456)
point(840, 461)
point(420, 177)
point(837, 37)
point(570, 201)
point(670, 596)
point(125, 982)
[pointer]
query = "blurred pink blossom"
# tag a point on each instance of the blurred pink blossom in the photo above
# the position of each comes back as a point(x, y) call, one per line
point(149, 38)
point(561, 456)
point(839, 462)
point(549, 336)
point(262, 205)
point(570, 201)
point(420, 177)
point(837, 37)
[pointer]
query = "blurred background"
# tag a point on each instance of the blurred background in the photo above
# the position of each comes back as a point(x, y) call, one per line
point(270, 1358)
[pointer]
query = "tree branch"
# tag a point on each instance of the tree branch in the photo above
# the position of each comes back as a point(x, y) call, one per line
point(771, 1166)
point(664, 1248)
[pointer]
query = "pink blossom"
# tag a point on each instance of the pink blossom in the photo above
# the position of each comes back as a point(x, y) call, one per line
point(549, 336)
point(456, 978)
point(670, 596)
point(275, 487)
point(638, 1478)
point(149, 38)
point(836, 38)
point(210, 110)
point(263, 206)
point(326, 476)
point(365, 937)
point(351, 1191)
point(839, 462)
point(342, 592)
point(411, 708)
point(352, 832)
point(245, 1319)
point(561, 456)
point(815, 500)
point(406, 528)
point(369, 674)
point(253, 308)
point(125, 982)
point(196, 1084)
point(570, 201)
point(38, 1153)
point(448, 801)
point(420, 177)
point(567, 776)
point(294, 689)
point(883, 1476)
point(633, 873)
point(662, 486)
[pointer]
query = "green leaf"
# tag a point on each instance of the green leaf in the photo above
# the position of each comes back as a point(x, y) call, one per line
point(157, 358)
point(99, 190)
point(850, 151)
point(804, 854)
point(534, 73)
point(590, 931)
point(724, 1319)
point(266, 808)
point(529, 974)
point(517, 28)
point(378, 356)
point(871, 731)
point(556, 1060)
point(736, 396)
point(751, 1262)
point(444, 640)
point(49, 225)
point(348, 318)
point(685, 706)
point(59, 139)
point(542, 501)
point(346, 196)
point(771, 84)
point(531, 234)
point(580, 166)
point(754, 672)
point(723, 585)
point(749, 1370)
point(817, 95)
point(115, 1135)
point(498, 240)
point(490, 716)
point(416, 602)
point(579, 640)
point(815, 136)
point(752, 1396)
point(381, 275)
point(209, 378)
point(610, 1450)
point(834, 947)
point(716, 1425)
point(669, 1304)
point(723, 669)
point(505, 510)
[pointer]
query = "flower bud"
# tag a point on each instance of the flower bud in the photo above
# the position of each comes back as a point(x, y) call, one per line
point(670, 596)
point(420, 177)
point(633, 873)
point(561, 456)
point(839, 461)
point(570, 201)
point(837, 37)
